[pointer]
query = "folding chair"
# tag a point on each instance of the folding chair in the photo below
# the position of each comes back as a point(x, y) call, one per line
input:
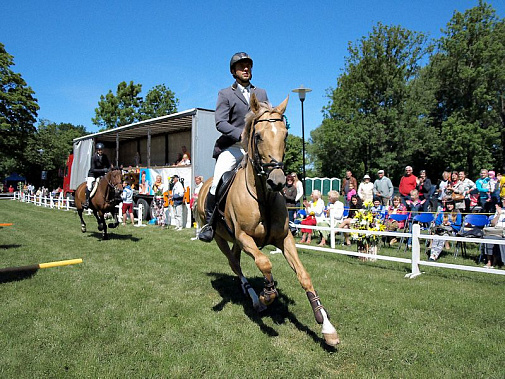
point(400, 218)
point(472, 223)
point(425, 221)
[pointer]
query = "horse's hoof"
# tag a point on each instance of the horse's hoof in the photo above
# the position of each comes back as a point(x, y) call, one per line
point(260, 307)
point(267, 299)
point(105, 238)
point(331, 339)
point(112, 226)
point(83, 229)
point(100, 227)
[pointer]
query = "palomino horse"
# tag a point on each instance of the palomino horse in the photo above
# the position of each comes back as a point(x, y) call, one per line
point(104, 200)
point(256, 214)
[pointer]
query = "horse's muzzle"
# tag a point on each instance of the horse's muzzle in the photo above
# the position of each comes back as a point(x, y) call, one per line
point(276, 180)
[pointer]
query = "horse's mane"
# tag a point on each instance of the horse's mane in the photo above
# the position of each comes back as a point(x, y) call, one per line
point(249, 120)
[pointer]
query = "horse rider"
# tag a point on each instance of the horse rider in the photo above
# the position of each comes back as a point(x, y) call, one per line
point(99, 166)
point(231, 109)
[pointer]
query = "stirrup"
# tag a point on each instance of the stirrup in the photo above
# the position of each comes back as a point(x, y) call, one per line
point(206, 233)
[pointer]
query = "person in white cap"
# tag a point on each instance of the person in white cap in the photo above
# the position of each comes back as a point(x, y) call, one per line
point(383, 188)
point(365, 189)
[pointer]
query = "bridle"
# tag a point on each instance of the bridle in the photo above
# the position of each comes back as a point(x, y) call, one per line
point(112, 185)
point(256, 159)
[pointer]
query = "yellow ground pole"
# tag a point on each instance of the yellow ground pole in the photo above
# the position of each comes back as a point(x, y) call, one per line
point(41, 265)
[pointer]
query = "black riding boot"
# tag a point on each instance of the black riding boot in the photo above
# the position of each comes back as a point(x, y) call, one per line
point(207, 232)
point(86, 202)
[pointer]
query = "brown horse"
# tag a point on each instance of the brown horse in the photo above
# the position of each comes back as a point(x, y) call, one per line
point(104, 200)
point(256, 213)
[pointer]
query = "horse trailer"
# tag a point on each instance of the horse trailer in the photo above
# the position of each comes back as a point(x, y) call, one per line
point(149, 148)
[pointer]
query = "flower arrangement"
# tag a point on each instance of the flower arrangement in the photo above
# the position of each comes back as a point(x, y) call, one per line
point(365, 219)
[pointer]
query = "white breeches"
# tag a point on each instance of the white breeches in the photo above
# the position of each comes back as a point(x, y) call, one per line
point(227, 161)
point(89, 182)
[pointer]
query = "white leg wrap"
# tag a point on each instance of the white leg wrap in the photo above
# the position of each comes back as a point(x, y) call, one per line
point(327, 325)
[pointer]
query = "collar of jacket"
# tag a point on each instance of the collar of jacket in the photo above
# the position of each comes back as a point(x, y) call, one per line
point(234, 86)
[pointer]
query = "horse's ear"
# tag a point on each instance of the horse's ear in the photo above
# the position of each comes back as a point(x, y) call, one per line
point(254, 103)
point(281, 108)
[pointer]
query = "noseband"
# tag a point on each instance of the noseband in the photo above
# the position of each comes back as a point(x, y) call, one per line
point(256, 160)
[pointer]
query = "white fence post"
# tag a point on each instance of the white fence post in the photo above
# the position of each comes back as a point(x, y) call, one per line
point(139, 214)
point(332, 227)
point(416, 252)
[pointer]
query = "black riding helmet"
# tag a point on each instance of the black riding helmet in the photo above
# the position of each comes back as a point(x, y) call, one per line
point(237, 57)
point(99, 146)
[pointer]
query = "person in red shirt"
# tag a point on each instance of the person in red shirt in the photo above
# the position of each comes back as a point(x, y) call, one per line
point(408, 182)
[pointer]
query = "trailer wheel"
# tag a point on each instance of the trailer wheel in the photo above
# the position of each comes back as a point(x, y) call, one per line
point(146, 209)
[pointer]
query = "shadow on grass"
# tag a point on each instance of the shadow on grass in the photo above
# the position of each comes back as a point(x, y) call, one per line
point(12, 246)
point(15, 276)
point(229, 288)
point(114, 236)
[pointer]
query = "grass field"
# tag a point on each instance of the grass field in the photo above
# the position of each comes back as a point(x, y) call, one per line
point(152, 303)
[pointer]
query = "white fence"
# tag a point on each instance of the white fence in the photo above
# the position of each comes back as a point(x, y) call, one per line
point(65, 203)
point(415, 253)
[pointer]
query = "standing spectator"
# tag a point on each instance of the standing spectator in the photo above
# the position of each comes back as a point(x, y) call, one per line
point(127, 197)
point(383, 188)
point(408, 182)
point(177, 197)
point(289, 192)
point(299, 189)
point(185, 152)
point(315, 214)
point(494, 188)
point(495, 231)
point(158, 201)
point(414, 206)
point(425, 189)
point(349, 179)
point(365, 189)
point(193, 203)
point(483, 187)
point(464, 187)
point(11, 189)
point(502, 187)
point(334, 209)
point(442, 185)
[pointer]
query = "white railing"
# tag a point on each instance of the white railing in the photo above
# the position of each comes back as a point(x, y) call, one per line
point(415, 251)
point(64, 203)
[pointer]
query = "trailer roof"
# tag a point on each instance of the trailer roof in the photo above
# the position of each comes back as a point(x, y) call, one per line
point(171, 123)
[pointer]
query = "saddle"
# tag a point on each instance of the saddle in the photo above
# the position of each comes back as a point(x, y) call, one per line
point(222, 190)
point(94, 187)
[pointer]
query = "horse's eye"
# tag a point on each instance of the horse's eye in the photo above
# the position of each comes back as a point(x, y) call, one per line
point(258, 137)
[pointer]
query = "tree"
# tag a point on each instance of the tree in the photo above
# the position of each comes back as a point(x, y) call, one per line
point(18, 113)
point(48, 149)
point(159, 101)
point(119, 109)
point(367, 124)
point(293, 160)
point(469, 107)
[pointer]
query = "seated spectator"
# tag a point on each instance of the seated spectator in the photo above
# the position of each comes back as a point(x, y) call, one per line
point(365, 189)
point(494, 188)
point(355, 204)
point(184, 161)
point(393, 225)
point(414, 204)
point(335, 208)
point(495, 231)
point(447, 223)
point(315, 214)
point(442, 185)
point(378, 210)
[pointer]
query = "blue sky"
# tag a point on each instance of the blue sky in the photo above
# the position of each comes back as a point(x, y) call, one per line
point(71, 52)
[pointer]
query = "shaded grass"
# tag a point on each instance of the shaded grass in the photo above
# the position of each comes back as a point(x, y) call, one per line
point(152, 303)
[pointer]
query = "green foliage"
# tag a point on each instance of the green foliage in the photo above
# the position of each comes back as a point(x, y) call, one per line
point(139, 307)
point(48, 149)
point(367, 122)
point(293, 159)
point(159, 101)
point(18, 112)
point(469, 73)
point(127, 106)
